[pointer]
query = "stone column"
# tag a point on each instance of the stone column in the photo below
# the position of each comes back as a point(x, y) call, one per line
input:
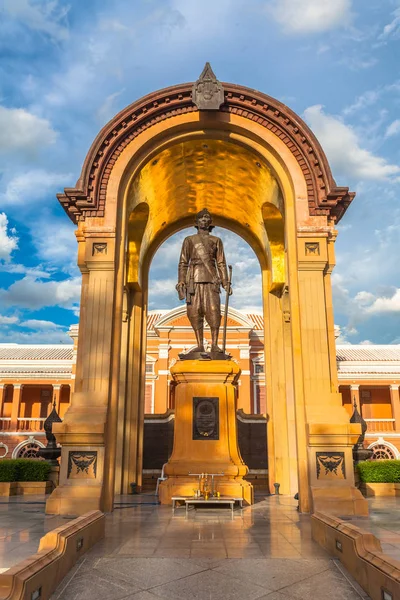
point(2, 397)
point(244, 401)
point(82, 432)
point(355, 395)
point(330, 436)
point(122, 397)
point(133, 419)
point(161, 401)
point(16, 404)
point(279, 459)
point(56, 397)
point(395, 400)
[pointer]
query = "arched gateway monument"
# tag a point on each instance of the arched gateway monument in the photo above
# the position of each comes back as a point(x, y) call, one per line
point(261, 172)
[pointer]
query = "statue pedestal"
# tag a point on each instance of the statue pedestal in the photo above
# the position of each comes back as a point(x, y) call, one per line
point(205, 438)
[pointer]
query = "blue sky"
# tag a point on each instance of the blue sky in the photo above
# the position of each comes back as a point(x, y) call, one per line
point(67, 67)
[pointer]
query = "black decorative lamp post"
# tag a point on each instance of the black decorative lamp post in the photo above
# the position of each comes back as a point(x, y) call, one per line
point(51, 452)
point(359, 452)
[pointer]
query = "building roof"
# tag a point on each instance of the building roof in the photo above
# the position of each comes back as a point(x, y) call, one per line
point(56, 360)
point(36, 352)
point(370, 353)
point(154, 316)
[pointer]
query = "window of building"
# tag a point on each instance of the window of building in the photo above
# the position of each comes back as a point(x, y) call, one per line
point(382, 452)
point(149, 367)
point(258, 368)
point(29, 451)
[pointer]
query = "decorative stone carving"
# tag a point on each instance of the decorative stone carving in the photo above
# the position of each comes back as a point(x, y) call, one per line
point(207, 93)
point(99, 248)
point(82, 464)
point(312, 249)
point(330, 465)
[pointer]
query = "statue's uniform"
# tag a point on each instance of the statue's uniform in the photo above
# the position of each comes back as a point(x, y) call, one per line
point(202, 267)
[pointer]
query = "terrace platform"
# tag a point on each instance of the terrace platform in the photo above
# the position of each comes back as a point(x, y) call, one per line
point(264, 552)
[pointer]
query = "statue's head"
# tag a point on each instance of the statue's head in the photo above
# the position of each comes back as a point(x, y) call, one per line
point(204, 220)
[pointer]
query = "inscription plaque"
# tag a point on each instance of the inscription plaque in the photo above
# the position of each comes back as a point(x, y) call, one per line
point(205, 418)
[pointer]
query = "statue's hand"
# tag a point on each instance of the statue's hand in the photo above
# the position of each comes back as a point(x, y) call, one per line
point(228, 288)
point(181, 289)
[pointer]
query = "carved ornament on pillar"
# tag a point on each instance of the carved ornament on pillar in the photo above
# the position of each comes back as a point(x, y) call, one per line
point(99, 248)
point(312, 249)
point(207, 93)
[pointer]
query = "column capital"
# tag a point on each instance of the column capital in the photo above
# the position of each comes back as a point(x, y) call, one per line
point(17, 386)
point(394, 386)
point(57, 386)
point(355, 387)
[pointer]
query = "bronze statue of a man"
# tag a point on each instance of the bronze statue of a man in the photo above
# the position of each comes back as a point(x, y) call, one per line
point(201, 272)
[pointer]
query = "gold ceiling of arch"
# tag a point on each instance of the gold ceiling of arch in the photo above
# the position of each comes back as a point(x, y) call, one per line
point(233, 182)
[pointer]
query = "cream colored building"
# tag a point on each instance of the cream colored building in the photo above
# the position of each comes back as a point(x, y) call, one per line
point(32, 376)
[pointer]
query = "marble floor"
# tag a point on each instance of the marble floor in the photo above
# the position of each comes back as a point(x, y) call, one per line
point(261, 552)
point(384, 522)
point(22, 524)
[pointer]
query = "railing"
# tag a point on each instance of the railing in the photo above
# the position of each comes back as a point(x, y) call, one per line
point(30, 424)
point(380, 425)
point(5, 423)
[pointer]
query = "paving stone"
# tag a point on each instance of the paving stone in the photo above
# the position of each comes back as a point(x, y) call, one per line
point(324, 586)
point(147, 572)
point(271, 573)
point(208, 585)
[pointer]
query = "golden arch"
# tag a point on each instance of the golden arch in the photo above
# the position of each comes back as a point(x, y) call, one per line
point(261, 171)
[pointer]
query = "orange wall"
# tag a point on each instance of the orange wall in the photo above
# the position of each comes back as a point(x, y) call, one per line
point(378, 406)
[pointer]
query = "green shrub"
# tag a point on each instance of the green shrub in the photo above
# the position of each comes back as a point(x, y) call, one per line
point(8, 470)
point(24, 469)
point(379, 471)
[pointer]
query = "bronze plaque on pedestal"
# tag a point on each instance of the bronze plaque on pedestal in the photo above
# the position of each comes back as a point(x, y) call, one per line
point(205, 418)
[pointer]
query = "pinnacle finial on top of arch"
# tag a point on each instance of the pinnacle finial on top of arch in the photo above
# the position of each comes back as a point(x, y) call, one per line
point(207, 92)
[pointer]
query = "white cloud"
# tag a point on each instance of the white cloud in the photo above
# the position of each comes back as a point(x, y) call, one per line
point(8, 320)
point(392, 29)
point(366, 99)
point(41, 336)
point(107, 110)
point(18, 269)
point(384, 305)
point(163, 287)
point(41, 331)
point(24, 132)
point(46, 16)
point(310, 16)
point(27, 188)
point(364, 298)
point(393, 129)
point(342, 146)
point(62, 254)
point(39, 324)
point(33, 294)
point(8, 239)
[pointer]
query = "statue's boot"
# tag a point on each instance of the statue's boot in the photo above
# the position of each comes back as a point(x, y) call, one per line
point(214, 340)
point(199, 340)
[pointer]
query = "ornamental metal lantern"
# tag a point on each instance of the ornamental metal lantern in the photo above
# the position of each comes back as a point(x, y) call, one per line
point(359, 452)
point(51, 452)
